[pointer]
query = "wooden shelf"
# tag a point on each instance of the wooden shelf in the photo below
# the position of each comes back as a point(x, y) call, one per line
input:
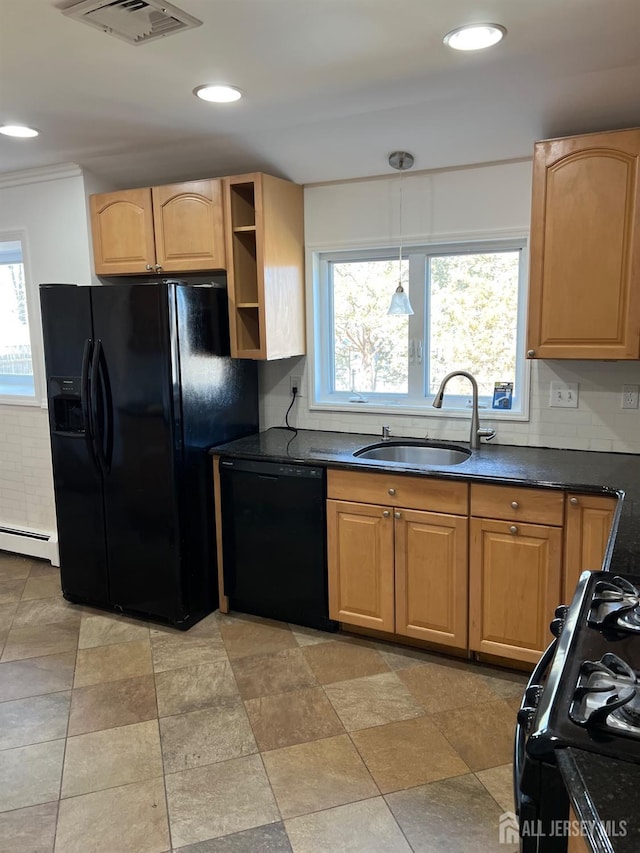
point(247, 305)
point(242, 228)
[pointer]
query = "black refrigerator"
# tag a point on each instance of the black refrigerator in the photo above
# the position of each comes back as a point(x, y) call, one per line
point(140, 384)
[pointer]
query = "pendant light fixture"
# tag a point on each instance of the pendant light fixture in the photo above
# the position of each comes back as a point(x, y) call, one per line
point(400, 305)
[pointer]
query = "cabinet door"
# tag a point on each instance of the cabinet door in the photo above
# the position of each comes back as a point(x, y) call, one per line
point(188, 226)
point(587, 529)
point(585, 247)
point(122, 228)
point(431, 577)
point(360, 554)
point(514, 587)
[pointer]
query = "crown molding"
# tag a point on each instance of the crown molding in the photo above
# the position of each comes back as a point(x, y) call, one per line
point(40, 174)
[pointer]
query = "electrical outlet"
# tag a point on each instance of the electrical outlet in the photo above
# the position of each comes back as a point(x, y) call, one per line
point(296, 382)
point(630, 395)
point(563, 395)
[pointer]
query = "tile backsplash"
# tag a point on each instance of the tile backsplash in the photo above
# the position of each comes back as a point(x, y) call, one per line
point(599, 423)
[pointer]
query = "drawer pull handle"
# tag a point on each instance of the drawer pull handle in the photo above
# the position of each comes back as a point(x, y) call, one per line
point(514, 504)
point(392, 491)
point(386, 513)
point(513, 529)
point(573, 501)
point(397, 515)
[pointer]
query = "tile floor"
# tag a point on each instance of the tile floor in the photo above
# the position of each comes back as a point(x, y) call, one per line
point(239, 736)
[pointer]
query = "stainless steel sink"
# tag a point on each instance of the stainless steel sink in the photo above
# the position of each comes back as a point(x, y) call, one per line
point(415, 454)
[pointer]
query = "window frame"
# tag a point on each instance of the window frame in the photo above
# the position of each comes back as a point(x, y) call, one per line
point(320, 331)
point(34, 325)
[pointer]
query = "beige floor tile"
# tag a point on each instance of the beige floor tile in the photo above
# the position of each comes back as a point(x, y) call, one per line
point(111, 758)
point(372, 701)
point(271, 838)
point(364, 827)
point(177, 650)
point(43, 586)
point(112, 663)
point(34, 720)
point(127, 819)
point(219, 799)
point(401, 657)
point(31, 677)
point(46, 611)
point(504, 683)
point(341, 661)
point(106, 630)
point(440, 688)
point(481, 734)
point(291, 718)
point(193, 687)
point(310, 636)
point(280, 672)
point(455, 814)
point(408, 753)
point(499, 783)
point(113, 703)
point(255, 637)
point(317, 775)
point(30, 775)
point(14, 566)
point(11, 590)
point(207, 736)
point(7, 614)
point(32, 641)
point(30, 830)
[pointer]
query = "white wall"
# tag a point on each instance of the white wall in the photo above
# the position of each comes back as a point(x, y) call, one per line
point(442, 206)
point(49, 206)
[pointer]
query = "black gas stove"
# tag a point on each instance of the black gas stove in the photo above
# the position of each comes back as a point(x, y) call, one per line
point(584, 693)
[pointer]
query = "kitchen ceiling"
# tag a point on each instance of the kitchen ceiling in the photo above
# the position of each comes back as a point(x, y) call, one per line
point(331, 86)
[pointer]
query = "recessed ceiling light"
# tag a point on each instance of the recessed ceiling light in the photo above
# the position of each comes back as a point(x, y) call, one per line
point(217, 94)
point(18, 130)
point(475, 36)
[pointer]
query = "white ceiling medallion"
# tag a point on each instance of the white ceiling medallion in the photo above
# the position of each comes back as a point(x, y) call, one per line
point(133, 21)
point(475, 36)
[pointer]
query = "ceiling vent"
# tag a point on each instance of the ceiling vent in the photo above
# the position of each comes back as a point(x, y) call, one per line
point(133, 21)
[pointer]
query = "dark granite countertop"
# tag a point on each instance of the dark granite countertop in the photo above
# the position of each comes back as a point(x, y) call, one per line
point(604, 795)
point(585, 471)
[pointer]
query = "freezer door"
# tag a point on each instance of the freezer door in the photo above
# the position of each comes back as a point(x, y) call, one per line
point(138, 446)
point(68, 348)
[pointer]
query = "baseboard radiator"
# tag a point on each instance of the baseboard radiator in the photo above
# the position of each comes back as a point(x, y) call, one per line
point(31, 543)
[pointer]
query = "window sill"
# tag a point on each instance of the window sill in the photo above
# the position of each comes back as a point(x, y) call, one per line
point(426, 411)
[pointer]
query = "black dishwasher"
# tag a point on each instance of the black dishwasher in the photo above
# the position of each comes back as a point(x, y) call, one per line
point(274, 541)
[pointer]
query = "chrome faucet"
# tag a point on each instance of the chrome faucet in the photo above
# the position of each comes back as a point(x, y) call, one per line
point(386, 433)
point(477, 432)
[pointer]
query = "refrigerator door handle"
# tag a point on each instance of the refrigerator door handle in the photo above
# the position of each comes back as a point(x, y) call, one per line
point(97, 382)
point(85, 402)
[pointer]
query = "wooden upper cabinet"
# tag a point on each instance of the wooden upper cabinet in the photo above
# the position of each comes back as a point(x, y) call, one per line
point(587, 530)
point(188, 226)
point(265, 266)
point(122, 227)
point(584, 299)
point(174, 228)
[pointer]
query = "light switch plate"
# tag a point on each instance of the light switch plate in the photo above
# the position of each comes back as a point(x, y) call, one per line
point(563, 395)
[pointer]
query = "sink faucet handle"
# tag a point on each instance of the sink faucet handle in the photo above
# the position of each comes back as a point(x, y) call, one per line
point(386, 433)
point(487, 433)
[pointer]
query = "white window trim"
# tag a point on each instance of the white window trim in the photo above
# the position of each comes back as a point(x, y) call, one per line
point(318, 328)
point(39, 398)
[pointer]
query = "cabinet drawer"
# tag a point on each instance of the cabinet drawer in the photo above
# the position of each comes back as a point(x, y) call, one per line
point(389, 489)
point(539, 506)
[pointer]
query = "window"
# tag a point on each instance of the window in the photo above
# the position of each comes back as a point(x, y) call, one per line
point(17, 381)
point(469, 305)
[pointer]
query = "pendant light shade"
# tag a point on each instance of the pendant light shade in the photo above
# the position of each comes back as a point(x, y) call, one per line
point(400, 304)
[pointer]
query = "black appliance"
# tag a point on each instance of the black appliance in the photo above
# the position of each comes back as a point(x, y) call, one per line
point(274, 541)
point(583, 693)
point(140, 384)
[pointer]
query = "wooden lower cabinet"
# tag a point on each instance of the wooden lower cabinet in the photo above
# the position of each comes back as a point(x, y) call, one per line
point(588, 523)
point(399, 571)
point(514, 587)
point(431, 577)
point(576, 843)
point(360, 557)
